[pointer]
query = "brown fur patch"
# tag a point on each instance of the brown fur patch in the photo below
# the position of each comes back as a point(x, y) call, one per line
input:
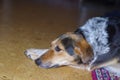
point(77, 50)
point(47, 56)
point(82, 47)
point(86, 51)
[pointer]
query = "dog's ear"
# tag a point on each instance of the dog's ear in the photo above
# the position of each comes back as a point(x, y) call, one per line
point(83, 49)
point(68, 44)
point(76, 44)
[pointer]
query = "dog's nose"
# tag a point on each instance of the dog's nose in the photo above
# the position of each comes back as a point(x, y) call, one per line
point(38, 61)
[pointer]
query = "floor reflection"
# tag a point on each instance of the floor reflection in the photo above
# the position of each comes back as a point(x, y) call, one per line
point(6, 11)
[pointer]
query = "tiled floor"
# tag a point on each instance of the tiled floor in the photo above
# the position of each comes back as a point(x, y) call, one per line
point(34, 24)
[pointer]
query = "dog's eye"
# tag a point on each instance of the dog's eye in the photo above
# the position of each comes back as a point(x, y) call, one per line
point(57, 48)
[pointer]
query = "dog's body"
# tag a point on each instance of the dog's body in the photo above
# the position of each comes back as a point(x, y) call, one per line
point(103, 35)
point(93, 45)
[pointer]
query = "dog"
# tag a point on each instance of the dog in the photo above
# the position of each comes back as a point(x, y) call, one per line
point(94, 45)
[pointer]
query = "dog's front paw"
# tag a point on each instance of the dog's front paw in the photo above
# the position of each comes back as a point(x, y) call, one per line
point(34, 53)
point(92, 67)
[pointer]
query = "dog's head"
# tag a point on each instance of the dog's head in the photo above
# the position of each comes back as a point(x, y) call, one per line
point(68, 49)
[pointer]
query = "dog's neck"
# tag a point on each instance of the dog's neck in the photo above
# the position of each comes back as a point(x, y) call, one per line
point(96, 35)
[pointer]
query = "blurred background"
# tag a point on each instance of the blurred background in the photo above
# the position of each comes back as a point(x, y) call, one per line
point(34, 24)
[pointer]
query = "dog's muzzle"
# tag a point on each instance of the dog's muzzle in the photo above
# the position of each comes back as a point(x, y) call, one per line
point(45, 65)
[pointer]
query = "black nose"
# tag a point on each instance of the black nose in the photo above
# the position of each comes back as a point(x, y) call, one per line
point(38, 61)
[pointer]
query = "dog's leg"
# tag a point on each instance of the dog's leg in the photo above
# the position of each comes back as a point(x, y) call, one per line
point(81, 66)
point(107, 63)
point(33, 54)
point(105, 60)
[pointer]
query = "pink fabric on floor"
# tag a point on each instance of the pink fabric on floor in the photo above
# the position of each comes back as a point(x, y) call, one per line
point(103, 74)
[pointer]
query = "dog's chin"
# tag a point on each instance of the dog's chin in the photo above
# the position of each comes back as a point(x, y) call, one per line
point(48, 66)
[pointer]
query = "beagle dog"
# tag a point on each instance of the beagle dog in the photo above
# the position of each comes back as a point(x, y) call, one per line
point(95, 44)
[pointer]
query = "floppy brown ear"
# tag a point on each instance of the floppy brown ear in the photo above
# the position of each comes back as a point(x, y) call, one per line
point(81, 47)
point(84, 50)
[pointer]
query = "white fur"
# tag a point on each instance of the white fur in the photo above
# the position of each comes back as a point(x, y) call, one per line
point(96, 34)
point(35, 53)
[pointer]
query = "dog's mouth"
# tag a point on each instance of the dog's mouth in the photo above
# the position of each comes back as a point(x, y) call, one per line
point(45, 65)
